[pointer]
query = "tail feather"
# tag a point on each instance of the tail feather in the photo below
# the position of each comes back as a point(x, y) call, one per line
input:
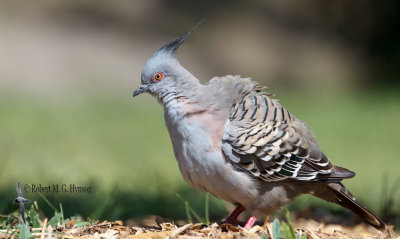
point(345, 199)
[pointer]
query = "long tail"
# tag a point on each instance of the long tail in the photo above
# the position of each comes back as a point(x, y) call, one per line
point(345, 199)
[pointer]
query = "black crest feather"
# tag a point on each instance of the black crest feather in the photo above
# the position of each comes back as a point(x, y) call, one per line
point(173, 45)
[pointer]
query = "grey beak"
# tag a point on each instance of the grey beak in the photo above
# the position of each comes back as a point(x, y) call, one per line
point(141, 89)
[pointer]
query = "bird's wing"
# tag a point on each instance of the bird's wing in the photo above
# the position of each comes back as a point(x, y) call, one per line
point(263, 138)
point(19, 190)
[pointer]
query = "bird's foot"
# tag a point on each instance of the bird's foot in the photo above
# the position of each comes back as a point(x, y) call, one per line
point(232, 221)
point(232, 218)
point(250, 223)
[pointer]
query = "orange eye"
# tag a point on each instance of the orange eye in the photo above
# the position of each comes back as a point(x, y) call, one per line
point(158, 76)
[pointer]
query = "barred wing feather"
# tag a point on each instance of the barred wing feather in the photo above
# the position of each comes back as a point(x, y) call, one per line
point(263, 138)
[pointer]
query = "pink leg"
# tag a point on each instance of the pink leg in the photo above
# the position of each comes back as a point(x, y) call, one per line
point(250, 222)
point(232, 218)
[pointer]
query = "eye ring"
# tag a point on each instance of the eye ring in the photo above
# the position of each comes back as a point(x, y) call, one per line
point(158, 76)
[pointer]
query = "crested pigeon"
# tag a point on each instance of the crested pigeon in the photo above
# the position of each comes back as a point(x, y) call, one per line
point(234, 141)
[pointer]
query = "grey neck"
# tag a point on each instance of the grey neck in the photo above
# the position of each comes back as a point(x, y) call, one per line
point(188, 88)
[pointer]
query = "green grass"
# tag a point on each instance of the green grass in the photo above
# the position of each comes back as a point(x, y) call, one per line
point(285, 230)
point(12, 224)
point(121, 147)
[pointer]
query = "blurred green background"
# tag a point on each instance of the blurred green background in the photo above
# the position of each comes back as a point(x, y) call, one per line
point(68, 70)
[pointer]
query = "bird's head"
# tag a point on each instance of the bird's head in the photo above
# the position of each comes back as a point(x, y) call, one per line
point(162, 73)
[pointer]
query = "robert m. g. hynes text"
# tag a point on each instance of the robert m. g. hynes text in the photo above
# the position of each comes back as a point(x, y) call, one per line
point(57, 188)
